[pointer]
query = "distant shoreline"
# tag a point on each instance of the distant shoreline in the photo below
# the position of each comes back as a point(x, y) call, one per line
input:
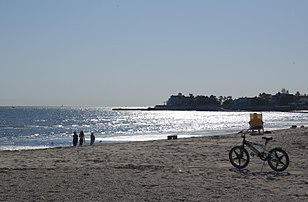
point(282, 102)
point(166, 108)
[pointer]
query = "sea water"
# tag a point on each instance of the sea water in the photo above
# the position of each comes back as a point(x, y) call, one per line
point(44, 127)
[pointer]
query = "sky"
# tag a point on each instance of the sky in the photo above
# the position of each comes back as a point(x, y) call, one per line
point(140, 52)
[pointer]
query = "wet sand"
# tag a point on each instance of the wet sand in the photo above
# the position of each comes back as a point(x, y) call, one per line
point(192, 169)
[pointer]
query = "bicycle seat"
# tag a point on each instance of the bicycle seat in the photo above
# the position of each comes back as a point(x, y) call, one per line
point(267, 138)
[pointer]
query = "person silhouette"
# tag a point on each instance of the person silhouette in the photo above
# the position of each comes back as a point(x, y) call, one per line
point(75, 139)
point(92, 138)
point(81, 138)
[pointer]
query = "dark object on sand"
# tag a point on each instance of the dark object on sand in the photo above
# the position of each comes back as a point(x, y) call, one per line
point(172, 137)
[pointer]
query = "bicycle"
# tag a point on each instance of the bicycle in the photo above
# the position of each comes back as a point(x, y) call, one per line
point(276, 158)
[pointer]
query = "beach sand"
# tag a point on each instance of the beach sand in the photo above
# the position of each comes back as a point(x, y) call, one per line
point(192, 169)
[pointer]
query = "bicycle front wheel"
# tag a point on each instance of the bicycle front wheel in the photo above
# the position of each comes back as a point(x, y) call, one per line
point(278, 159)
point(239, 157)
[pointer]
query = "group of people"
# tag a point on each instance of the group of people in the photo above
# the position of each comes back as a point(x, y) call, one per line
point(82, 138)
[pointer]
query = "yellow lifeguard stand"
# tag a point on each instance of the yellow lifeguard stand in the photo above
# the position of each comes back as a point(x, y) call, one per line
point(256, 123)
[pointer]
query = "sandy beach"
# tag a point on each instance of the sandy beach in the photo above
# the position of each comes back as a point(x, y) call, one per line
point(193, 169)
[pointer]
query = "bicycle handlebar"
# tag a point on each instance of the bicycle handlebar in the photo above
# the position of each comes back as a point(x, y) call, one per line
point(244, 131)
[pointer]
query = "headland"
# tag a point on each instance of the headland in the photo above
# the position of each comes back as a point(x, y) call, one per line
point(282, 101)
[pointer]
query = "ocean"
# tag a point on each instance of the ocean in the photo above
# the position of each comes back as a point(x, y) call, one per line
point(45, 127)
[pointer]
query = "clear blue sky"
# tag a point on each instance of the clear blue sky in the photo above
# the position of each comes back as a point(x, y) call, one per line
point(138, 53)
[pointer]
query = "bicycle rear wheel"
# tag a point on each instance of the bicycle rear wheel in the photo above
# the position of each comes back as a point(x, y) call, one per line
point(278, 159)
point(239, 157)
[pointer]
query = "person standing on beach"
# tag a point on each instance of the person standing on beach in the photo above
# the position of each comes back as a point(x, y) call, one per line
point(92, 138)
point(81, 138)
point(75, 139)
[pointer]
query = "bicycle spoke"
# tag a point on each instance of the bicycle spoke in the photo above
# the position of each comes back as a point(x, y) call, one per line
point(241, 161)
point(277, 164)
point(240, 158)
point(237, 155)
point(276, 155)
point(282, 162)
point(237, 158)
point(279, 159)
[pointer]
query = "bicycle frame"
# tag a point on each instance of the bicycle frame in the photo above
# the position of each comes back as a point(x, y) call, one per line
point(262, 153)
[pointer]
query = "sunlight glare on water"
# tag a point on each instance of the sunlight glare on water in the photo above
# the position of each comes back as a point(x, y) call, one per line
point(40, 127)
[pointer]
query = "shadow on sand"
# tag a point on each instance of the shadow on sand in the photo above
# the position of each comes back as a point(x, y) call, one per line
point(267, 174)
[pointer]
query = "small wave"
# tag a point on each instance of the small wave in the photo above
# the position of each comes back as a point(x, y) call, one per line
point(57, 126)
point(13, 148)
point(40, 121)
point(12, 126)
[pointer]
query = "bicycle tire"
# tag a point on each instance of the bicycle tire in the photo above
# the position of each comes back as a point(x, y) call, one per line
point(239, 157)
point(278, 159)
